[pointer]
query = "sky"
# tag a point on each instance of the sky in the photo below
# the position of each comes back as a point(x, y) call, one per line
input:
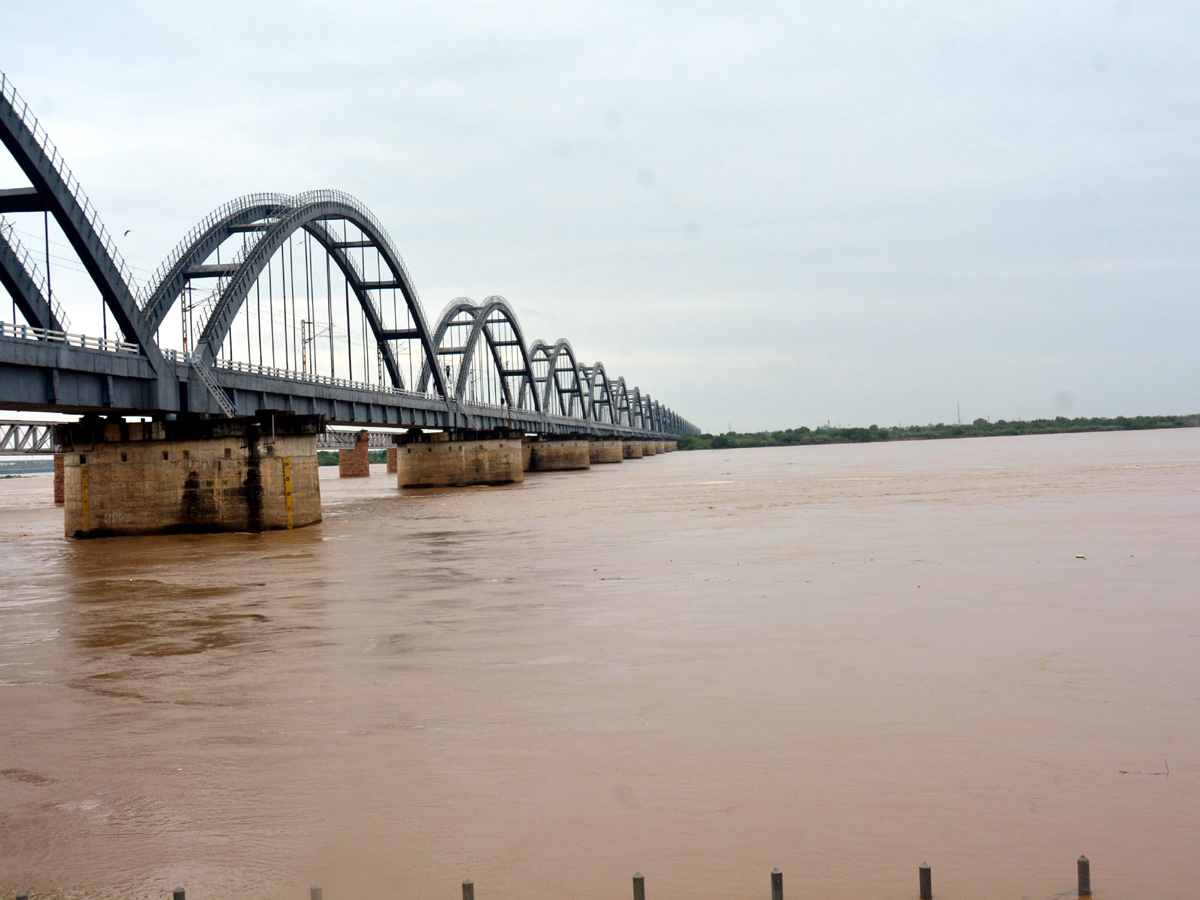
point(766, 214)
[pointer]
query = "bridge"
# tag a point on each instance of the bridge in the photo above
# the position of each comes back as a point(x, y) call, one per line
point(275, 316)
point(274, 301)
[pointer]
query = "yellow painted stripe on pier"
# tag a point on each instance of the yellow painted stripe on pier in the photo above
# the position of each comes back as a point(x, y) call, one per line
point(287, 488)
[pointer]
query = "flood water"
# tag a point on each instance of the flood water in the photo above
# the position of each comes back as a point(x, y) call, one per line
point(842, 661)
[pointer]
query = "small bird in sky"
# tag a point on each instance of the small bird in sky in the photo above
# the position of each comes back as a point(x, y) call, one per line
point(127, 230)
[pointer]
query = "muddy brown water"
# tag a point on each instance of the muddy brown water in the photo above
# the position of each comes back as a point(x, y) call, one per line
point(842, 661)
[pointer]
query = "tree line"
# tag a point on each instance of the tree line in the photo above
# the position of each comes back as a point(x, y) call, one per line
point(979, 428)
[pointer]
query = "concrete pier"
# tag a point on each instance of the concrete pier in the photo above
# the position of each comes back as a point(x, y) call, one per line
point(458, 459)
point(553, 454)
point(631, 449)
point(649, 448)
point(391, 461)
point(527, 454)
point(194, 475)
point(605, 451)
point(355, 462)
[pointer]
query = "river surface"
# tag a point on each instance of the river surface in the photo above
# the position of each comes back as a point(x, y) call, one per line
point(843, 661)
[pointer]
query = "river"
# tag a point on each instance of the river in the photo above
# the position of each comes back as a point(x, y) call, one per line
point(843, 661)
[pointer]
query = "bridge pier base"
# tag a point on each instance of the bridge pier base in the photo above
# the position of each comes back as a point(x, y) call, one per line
point(560, 454)
point(631, 449)
point(459, 459)
point(355, 462)
point(192, 475)
point(392, 464)
point(603, 451)
point(649, 448)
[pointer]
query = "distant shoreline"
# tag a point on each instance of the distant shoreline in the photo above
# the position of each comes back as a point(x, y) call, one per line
point(804, 436)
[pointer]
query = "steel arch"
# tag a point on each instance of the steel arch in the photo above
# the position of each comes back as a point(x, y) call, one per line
point(563, 347)
point(166, 286)
point(309, 214)
point(480, 315)
point(599, 392)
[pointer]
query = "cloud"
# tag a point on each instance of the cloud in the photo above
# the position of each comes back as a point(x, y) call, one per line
point(767, 215)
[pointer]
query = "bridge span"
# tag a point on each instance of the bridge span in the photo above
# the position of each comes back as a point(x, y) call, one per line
point(275, 315)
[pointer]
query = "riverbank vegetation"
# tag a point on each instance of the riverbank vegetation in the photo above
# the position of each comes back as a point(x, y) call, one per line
point(979, 428)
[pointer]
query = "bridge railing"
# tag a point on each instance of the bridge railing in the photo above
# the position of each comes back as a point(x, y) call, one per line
point(21, 109)
point(222, 212)
point(233, 365)
point(29, 262)
point(83, 341)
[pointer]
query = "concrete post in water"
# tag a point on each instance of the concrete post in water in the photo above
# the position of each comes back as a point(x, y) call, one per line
point(251, 473)
point(468, 889)
point(926, 882)
point(356, 461)
point(177, 894)
point(776, 884)
point(639, 886)
point(458, 459)
point(315, 893)
point(391, 460)
point(560, 454)
point(605, 451)
point(1085, 877)
point(22, 896)
point(632, 449)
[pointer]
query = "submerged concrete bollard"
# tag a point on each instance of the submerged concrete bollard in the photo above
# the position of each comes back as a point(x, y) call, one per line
point(1085, 877)
point(468, 889)
point(21, 895)
point(315, 893)
point(177, 894)
point(926, 882)
point(639, 886)
point(776, 884)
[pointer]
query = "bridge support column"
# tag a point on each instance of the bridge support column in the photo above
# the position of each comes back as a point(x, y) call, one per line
point(193, 475)
point(603, 451)
point(648, 448)
point(631, 449)
point(59, 484)
point(458, 459)
point(561, 454)
point(672, 446)
point(527, 454)
point(391, 461)
point(355, 462)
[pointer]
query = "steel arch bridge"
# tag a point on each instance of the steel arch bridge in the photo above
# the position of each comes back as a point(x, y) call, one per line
point(295, 302)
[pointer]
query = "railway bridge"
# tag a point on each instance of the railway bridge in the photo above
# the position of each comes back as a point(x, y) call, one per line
point(202, 397)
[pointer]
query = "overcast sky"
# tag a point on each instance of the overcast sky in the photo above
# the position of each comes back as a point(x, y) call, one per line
point(764, 214)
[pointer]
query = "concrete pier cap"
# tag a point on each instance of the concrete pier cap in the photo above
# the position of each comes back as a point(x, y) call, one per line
point(248, 473)
point(459, 458)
